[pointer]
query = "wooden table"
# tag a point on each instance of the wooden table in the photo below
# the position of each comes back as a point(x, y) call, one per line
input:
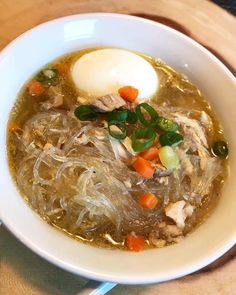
point(23, 272)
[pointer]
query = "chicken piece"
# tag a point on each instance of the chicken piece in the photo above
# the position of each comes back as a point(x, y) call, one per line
point(192, 127)
point(179, 211)
point(55, 98)
point(168, 233)
point(109, 102)
point(98, 133)
point(185, 161)
point(159, 243)
point(171, 231)
point(156, 240)
point(189, 210)
point(195, 138)
point(128, 145)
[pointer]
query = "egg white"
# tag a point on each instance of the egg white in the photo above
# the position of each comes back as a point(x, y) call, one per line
point(104, 71)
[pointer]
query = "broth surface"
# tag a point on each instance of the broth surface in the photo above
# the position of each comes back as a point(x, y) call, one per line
point(43, 142)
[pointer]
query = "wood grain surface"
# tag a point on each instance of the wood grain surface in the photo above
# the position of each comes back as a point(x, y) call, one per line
point(23, 272)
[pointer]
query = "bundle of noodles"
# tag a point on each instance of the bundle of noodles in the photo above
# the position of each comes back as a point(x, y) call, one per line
point(73, 179)
point(70, 174)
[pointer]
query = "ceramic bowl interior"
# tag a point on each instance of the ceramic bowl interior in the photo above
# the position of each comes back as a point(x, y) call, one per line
point(44, 43)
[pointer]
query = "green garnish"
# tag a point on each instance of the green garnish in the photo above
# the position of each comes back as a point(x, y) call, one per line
point(166, 124)
point(48, 76)
point(220, 149)
point(142, 139)
point(152, 114)
point(168, 157)
point(132, 117)
point(117, 129)
point(170, 138)
point(85, 113)
point(117, 115)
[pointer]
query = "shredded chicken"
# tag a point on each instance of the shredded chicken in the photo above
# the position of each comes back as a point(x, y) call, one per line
point(179, 211)
point(118, 149)
point(100, 133)
point(172, 230)
point(195, 138)
point(109, 102)
point(157, 242)
point(55, 98)
point(185, 161)
point(166, 232)
point(192, 127)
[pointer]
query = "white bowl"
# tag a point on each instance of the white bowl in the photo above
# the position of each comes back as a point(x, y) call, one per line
point(37, 47)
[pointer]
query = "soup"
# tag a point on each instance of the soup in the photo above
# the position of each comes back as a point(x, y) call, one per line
point(116, 149)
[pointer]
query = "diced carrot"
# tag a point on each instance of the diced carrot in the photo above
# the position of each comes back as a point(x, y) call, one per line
point(14, 126)
point(148, 200)
point(62, 68)
point(135, 242)
point(150, 154)
point(35, 87)
point(128, 93)
point(143, 167)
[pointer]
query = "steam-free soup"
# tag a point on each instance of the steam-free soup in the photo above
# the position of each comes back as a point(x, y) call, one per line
point(116, 149)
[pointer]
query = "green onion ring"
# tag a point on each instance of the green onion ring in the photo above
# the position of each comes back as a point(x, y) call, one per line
point(121, 134)
point(150, 110)
point(85, 113)
point(117, 115)
point(132, 117)
point(142, 139)
point(166, 124)
point(220, 149)
point(170, 138)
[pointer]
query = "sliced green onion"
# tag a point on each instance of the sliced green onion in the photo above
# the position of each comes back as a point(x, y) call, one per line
point(166, 124)
point(85, 113)
point(170, 138)
point(168, 157)
point(117, 129)
point(132, 117)
point(50, 74)
point(47, 76)
point(117, 115)
point(151, 113)
point(142, 139)
point(220, 149)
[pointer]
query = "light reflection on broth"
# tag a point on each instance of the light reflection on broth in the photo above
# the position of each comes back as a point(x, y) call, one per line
point(67, 170)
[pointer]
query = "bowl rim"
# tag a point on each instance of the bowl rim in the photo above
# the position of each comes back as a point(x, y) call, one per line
point(123, 16)
point(91, 274)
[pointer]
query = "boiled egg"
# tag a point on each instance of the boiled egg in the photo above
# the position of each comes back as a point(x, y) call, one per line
point(104, 71)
